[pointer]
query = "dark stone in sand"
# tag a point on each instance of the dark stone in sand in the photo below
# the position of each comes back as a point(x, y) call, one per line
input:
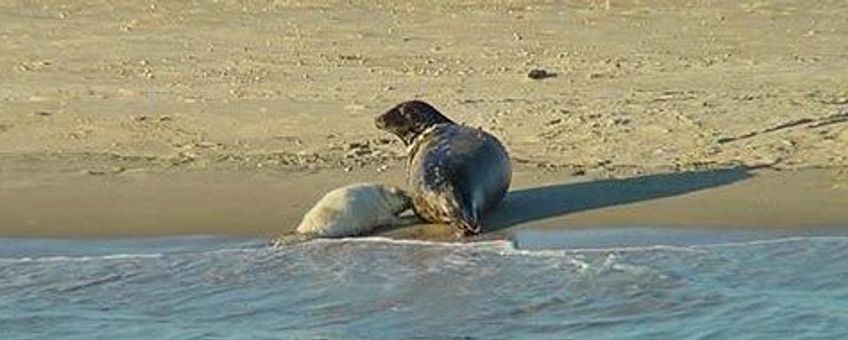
point(539, 74)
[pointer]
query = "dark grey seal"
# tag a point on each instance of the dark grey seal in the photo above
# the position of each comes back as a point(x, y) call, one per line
point(456, 173)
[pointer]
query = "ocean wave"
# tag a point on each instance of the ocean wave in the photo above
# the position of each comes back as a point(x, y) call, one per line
point(379, 239)
point(61, 258)
point(501, 247)
point(139, 256)
point(675, 248)
point(780, 240)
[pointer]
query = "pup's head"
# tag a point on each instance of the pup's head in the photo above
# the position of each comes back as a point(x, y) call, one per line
point(398, 200)
point(409, 119)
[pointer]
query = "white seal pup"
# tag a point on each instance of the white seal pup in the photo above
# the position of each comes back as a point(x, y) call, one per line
point(455, 173)
point(355, 209)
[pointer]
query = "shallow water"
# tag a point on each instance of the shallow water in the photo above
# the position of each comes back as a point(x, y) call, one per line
point(212, 288)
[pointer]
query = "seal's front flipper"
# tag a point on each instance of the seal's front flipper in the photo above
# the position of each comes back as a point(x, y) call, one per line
point(467, 221)
point(407, 220)
point(465, 212)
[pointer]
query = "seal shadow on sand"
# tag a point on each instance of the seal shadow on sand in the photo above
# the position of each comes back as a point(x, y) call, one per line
point(530, 204)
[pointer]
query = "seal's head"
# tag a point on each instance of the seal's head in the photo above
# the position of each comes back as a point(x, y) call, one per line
point(409, 119)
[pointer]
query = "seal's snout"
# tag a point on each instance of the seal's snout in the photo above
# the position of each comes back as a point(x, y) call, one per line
point(389, 120)
point(380, 122)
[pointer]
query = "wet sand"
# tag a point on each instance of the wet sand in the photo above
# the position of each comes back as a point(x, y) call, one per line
point(268, 203)
point(143, 118)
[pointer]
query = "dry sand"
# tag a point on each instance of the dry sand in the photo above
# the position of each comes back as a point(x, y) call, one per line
point(146, 117)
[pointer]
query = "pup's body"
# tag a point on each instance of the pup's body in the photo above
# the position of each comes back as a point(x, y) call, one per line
point(355, 210)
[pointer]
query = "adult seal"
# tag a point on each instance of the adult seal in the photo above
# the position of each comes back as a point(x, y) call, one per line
point(455, 173)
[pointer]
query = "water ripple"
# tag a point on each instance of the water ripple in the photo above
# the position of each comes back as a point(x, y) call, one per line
point(376, 287)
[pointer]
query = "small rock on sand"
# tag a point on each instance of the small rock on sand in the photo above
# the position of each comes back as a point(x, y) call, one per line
point(538, 74)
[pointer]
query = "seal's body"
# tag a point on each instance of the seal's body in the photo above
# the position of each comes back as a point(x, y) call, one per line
point(354, 210)
point(455, 173)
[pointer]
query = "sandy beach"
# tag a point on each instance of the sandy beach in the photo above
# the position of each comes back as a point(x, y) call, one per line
point(141, 118)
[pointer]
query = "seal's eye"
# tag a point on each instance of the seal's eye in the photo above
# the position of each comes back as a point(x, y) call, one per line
point(397, 116)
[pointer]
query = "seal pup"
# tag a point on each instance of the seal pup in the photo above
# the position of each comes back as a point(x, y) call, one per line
point(455, 173)
point(351, 210)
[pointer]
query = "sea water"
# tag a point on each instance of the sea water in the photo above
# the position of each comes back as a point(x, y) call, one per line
point(375, 288)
